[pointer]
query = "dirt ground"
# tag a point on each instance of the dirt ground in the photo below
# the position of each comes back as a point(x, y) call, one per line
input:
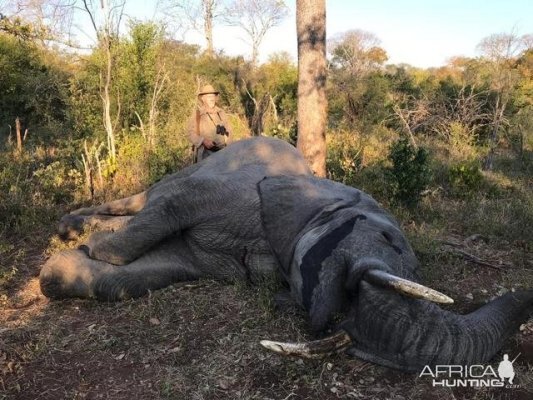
point(201, 340)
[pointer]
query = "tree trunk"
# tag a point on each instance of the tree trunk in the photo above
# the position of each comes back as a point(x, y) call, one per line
point(258, 119)
point(312, 101)
point(208, 27)
point(255, 53)
point(87, 168)
point(19, 135)
point(107, 105)
point(499, 110)
point(106, 97)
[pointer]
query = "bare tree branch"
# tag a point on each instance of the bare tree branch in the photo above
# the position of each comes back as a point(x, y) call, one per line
point(199, 15)
point(358, 52)
point(501, 51)
point(255, 18)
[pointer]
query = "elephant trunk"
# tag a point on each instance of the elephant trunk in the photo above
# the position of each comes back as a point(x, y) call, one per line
point(400, 332)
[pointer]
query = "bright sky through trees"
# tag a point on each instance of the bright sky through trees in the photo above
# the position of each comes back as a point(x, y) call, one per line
point(423, 33)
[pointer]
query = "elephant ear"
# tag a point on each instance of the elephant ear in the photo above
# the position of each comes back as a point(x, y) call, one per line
point(292, 205)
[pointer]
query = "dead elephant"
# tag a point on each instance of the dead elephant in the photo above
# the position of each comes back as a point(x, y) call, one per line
point(255, 208)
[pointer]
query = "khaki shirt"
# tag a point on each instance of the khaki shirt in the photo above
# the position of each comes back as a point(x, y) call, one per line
point(207, 127)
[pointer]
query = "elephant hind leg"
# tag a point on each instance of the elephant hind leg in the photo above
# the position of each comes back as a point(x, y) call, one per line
point(126, 206)
point(73, 274)
point(72, 226)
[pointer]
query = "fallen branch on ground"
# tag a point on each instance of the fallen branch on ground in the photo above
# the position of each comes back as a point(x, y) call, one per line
point(472, 258)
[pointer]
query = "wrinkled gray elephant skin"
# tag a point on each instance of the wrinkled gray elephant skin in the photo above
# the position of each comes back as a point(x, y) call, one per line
point(255, 209)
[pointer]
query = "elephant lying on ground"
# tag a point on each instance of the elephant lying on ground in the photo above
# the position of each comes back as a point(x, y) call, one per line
point(254, 209)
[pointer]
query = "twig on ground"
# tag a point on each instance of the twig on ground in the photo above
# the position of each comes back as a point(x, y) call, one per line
point(472, 258)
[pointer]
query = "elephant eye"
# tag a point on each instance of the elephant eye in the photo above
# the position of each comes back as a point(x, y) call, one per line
point(388, 238)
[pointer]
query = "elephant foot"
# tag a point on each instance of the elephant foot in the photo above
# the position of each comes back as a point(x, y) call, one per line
point(70, 274)
point(71, 226)
point(101, 246)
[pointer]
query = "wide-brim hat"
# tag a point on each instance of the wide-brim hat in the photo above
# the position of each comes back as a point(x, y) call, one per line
point(207, 89)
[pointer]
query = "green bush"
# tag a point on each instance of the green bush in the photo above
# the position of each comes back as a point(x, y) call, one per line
point(344, 157)
point(140, 165)
point(166, 160)
point(410, 174)
point(287, 133)
point(56, 182)
point(465, 179)
point(33, 191)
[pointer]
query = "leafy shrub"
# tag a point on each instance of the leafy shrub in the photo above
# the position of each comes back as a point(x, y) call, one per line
point(287, 133)
point(57, 183)
point(462, 141)
point(465, 178)
point(344, 157)
point(140, 165)
point(166, 160)
point(373, 179)
point(410, 174)
point(32, 192)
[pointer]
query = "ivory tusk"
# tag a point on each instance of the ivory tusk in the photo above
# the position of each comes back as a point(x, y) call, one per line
point(404, 286)
point(315, 349)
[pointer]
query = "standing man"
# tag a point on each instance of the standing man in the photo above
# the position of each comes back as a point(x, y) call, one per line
point(208, 126)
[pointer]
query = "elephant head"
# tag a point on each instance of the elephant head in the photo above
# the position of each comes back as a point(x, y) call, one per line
point(345, 255)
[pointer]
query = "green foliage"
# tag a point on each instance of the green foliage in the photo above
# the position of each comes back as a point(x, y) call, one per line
point(32, 188)
point(344, 158)
point(289, 134)
point(465, 178)
point(22, 30)
point(33, 87)
point(279, 78)
point(521, 137)
point(85, 104)
point(459, 136)
point(403, 81)
point(57, 182)
point(138, 70)
point(410, 174)
point(361, 104)
point(166, 160)
point(267, 93)
point(140, 165)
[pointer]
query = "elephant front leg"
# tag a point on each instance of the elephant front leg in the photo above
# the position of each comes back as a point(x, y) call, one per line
point(188, 203)
point(108, 216)
point(72, 273)
point(144, 231)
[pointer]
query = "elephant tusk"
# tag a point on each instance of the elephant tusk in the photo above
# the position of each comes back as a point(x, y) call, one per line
point(404, 286)
point(315, 349)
